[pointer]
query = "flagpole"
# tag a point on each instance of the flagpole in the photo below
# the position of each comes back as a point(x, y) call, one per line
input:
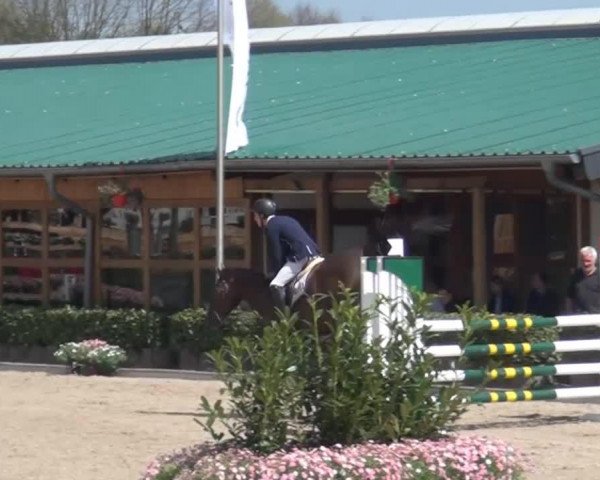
point(220, 173)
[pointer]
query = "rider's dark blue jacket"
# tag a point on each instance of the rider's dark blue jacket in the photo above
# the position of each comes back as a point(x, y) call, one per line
point(288, 241)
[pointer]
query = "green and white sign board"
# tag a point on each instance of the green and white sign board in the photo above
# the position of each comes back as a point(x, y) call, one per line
point(390, 277)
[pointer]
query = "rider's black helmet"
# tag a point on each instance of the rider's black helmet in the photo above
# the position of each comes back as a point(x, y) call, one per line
point(265, 207)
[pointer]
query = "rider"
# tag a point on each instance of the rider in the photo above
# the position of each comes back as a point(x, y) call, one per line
point(290, 247)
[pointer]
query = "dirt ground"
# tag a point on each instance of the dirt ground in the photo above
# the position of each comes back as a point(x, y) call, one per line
point(55, 427)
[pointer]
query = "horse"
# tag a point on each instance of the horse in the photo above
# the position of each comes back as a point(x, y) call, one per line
point(237, 285)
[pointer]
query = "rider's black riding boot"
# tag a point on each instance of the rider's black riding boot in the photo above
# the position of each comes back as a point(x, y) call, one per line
point(278, 295)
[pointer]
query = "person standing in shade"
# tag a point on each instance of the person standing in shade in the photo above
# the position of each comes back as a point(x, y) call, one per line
point(541, 300)
point(501, 300)
point(583, 294)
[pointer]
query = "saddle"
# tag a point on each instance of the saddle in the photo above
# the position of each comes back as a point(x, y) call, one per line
point(296, 288)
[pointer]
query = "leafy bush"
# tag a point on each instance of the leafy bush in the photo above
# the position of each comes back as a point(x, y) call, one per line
point(266, 400)
point(95, 355)
point(187, 328)
point(291, 386)
point(243, 323)
point(129, 328)
point(132, 329)
point(453, 458)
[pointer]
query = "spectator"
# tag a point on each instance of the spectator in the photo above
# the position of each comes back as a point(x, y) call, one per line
point(501, 300)
point(443, 302)
point(583, 294)
point(541, 300)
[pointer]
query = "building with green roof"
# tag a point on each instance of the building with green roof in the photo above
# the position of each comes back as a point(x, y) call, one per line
point(490, 122)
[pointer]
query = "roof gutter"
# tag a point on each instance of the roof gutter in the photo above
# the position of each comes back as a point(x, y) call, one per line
point(89, 236)
point(591, 161)
point(196, 162)
point(548, 165)
point(399, 163)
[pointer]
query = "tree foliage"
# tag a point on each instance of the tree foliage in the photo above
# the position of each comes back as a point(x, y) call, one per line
point(306, 14)
point(48, 20)
point(11, 30)
point(52, 20)
point(265, 13)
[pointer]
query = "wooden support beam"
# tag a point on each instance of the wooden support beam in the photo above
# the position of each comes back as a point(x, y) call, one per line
point(479, 247)
point(27, 189)
point(1, 261)
point(173, 186)
point(97, 219)
point(341, 182)
point(197, 247)
point(248, 219)
point(288, 183)
point(445, 183)
point(44, 260)
point(323, 214)
point(349, 182)
point(146, 273)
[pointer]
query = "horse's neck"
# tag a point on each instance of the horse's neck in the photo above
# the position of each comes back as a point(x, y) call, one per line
point(258, 296)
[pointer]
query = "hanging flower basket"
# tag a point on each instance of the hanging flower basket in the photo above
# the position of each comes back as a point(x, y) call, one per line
point(119, 200)
point(118, 194)
point(394, 198)
point(388, 190)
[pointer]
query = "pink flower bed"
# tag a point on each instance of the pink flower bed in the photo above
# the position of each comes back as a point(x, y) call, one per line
point(94, 343)
point(453, 458)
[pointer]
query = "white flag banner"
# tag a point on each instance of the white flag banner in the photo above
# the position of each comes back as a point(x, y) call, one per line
point(236, 37)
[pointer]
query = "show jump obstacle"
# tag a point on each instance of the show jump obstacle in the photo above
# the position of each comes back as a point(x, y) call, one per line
point(392, 277)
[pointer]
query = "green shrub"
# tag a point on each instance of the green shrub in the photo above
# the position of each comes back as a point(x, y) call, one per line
point(129, 328)
point(187, 329)
point(266, 400)
point(19, 326)
point(292, 386)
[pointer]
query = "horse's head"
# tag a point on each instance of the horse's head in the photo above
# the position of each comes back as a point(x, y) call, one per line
point(377, 243)
point(233, 285)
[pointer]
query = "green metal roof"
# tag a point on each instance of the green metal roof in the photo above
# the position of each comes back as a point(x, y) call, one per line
point(508, 97)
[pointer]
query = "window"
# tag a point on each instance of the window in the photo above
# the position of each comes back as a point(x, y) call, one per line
point(172, 233)
point(172, 290)
point(66, 286)
point(234, 233)
point(121, 234)
point(22, 285)
point(123, 288)
point(153, 256)
point(66, 234)
point(22, 233)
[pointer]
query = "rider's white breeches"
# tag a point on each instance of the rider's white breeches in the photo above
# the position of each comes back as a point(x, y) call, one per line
point(288, 272)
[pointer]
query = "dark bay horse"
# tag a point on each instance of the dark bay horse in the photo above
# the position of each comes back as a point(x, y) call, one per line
point(237, 285)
